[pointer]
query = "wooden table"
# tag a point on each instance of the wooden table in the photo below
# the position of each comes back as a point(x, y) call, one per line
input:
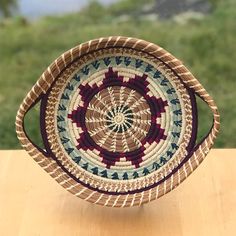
point(31, 203)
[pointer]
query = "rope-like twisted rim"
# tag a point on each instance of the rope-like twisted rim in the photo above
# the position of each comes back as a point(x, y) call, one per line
point(51, 166)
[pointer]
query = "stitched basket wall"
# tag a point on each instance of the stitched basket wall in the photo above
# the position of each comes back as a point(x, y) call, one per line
point(118, 121)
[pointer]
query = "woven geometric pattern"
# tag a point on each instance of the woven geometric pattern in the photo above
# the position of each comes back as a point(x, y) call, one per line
point(118, 122)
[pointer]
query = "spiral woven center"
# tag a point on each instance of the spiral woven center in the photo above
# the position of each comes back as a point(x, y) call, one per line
point(120, 120)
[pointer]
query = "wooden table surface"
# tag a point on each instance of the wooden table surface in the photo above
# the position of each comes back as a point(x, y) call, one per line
point(32, 203)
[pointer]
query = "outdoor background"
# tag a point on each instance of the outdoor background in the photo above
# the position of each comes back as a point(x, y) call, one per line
point(201, 33)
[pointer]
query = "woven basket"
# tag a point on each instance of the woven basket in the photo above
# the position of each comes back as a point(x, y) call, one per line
point(118, 121)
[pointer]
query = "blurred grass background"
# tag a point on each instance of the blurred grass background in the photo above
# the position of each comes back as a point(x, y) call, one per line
point(206, 45)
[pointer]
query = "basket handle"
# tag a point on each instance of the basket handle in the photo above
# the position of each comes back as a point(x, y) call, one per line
point(202, 148)
point(33, 97)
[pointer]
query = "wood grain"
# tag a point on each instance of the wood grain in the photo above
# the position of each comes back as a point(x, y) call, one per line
point(32, 203)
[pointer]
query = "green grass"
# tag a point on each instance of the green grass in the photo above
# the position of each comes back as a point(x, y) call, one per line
point(207, 47)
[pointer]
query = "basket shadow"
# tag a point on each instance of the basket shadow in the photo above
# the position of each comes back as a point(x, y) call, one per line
point(154, 218)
